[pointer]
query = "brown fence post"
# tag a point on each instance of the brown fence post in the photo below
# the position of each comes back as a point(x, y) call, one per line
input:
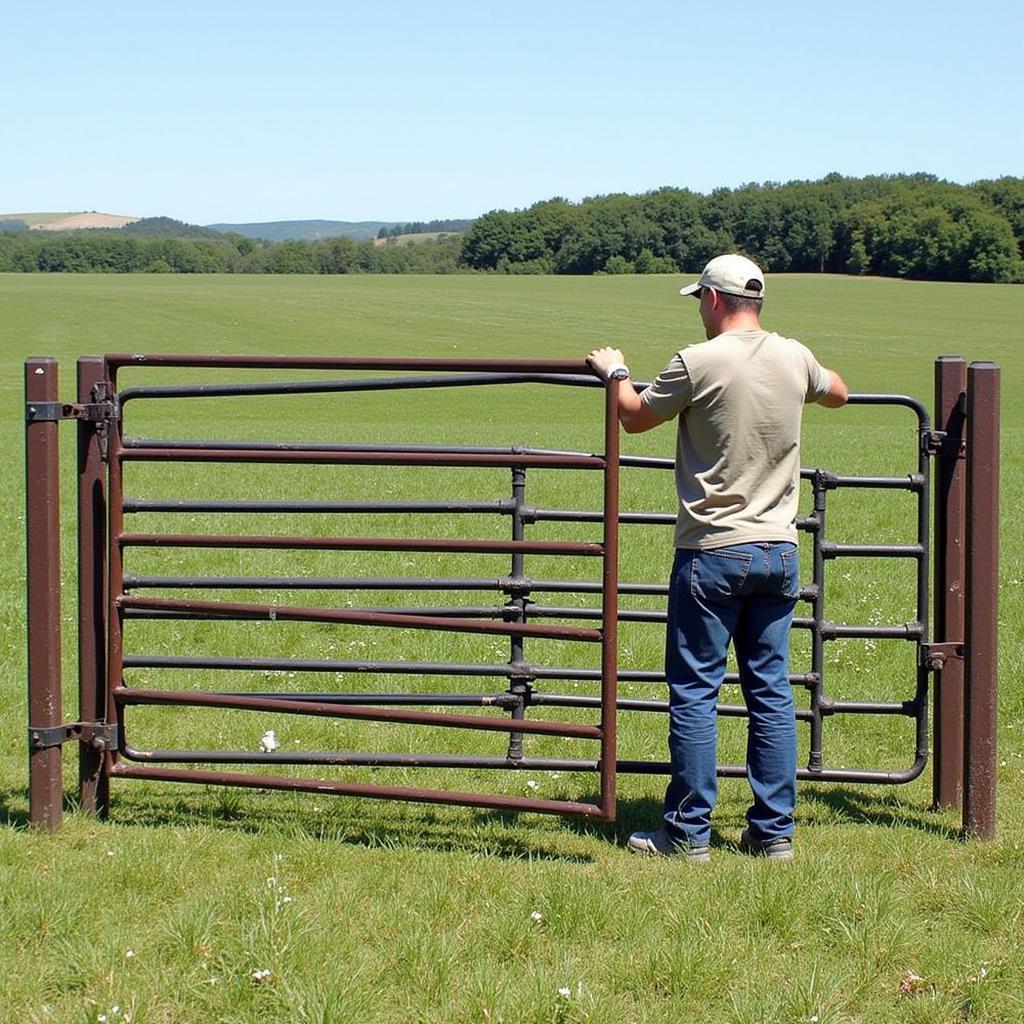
point(982, 601)
point(93, 784)
point(950, 512)
point(42, 579)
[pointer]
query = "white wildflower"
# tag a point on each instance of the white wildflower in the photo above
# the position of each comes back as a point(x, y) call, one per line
point(565, 993)
point(536, 917)
point(268, 742)
point(532, 784)
point(260, 975)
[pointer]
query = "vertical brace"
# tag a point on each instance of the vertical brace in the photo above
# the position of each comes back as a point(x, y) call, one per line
point(93, 783)
point(820, 486)
point(518, 688)
point(950, 511)
point(610, 600)
point(982, 601)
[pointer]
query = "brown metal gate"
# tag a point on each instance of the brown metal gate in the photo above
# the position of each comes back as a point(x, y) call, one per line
point(112, 596)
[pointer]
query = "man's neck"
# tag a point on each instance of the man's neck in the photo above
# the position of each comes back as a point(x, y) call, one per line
point(744, 320)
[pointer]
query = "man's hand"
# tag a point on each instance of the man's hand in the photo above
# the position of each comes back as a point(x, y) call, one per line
point(634, 416)
point(603, 359)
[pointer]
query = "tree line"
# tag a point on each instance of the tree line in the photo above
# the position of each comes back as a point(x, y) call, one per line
point(102, 251)
point(910, 226)
point(913, 226)
point(421, 227)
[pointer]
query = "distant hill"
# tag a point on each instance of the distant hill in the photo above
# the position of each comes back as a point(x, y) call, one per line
point(305, 230)
point(71, 221)
point(167, 227)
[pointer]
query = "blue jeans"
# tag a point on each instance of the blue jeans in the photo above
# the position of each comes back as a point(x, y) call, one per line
point(745, 593)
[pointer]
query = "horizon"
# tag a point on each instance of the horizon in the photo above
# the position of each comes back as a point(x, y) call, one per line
point(38, 213)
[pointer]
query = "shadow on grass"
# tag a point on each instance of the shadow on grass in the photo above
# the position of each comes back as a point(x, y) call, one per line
point(816, 808)
point(857, 806)
point(13, 807)
point(505, 834)
point(359, 823)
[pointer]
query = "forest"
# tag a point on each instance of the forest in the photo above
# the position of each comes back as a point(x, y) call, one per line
point(908, 226)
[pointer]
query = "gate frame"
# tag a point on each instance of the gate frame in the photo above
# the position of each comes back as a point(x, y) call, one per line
point(963, 655)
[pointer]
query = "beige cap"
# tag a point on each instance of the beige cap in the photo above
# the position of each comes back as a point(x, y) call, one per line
point(732, 275)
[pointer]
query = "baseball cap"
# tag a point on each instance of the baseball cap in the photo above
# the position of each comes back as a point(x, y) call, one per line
point(731, 274)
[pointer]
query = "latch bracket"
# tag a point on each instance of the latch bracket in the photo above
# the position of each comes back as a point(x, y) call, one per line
point(935, 656)
point(97, 735)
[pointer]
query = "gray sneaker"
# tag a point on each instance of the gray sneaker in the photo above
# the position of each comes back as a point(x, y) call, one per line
point(780, 848)
point(659, 844)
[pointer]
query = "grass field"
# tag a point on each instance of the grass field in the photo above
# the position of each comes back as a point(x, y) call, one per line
point(196, 904)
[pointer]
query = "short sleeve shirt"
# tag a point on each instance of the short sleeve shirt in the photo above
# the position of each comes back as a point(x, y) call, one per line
point(739, 400)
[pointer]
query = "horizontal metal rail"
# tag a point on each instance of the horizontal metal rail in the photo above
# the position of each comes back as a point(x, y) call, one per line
point(378, 667)
point(115, 360)
point(126, 695)
point(507, 584)
point(324, 457)
point(427, 796)
point(303, 543)
point(285, 613)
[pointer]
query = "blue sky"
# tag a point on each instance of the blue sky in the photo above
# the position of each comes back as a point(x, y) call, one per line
point(232, 112)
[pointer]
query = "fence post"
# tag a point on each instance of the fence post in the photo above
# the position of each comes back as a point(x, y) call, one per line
point(42, 579)
point(93, 784)
point(950, 508)
point(982, 601)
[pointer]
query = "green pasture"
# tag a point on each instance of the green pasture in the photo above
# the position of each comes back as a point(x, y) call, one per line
point(200, 904)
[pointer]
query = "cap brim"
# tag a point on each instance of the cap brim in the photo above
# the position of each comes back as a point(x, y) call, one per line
point(691, 289)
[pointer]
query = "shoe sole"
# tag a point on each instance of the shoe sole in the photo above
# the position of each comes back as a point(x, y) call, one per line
point(696, 858)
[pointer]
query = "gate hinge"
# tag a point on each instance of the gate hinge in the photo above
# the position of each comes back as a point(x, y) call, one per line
point(97, 735)
point(940, 443)
point(934, 656)
point(93, 412)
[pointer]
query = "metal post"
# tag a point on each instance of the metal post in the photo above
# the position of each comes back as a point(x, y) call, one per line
point(610, 601)
point(42, 540)
point(93, 784)
point(115, 572)
point(814, 756)
point(518, 688)
point(982, 626)
point(950, 514)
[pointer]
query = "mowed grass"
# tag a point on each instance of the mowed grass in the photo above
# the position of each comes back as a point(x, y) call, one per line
point(228, 905)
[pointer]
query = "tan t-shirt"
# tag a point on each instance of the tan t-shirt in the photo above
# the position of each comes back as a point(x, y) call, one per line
point(739, 398)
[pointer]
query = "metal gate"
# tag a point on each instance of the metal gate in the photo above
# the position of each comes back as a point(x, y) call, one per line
point(541, 701)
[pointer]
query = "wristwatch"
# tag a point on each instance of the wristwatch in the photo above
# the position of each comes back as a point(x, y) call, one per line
point(617, 371)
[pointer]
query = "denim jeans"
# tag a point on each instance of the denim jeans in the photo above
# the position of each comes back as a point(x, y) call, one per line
point(745, 593)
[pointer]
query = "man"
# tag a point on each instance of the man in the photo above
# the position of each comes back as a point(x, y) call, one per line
point(739, 397)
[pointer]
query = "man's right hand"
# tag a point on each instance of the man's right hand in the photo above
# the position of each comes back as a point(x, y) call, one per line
point(603, 359)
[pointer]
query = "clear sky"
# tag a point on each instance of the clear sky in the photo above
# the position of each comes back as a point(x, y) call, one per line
point(399, 110)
